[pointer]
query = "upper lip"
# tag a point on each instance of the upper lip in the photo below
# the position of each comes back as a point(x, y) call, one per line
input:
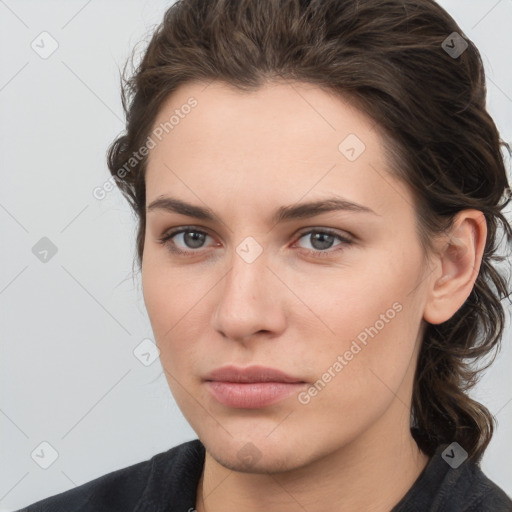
point(249, 374)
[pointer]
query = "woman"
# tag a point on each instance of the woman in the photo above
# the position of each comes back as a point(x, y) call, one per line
point(319, 192)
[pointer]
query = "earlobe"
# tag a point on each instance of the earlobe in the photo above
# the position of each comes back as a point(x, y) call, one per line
point(459, 257)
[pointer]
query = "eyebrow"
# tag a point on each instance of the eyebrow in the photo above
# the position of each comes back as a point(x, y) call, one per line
point(282, 214)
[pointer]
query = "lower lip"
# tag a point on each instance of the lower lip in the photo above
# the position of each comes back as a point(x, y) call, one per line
point(252, 395)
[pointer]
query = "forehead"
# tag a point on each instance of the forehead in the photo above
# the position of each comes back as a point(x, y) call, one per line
point(274, 145)
point(308, 113)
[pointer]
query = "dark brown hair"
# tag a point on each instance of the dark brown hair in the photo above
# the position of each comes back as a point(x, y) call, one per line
point(391, 60)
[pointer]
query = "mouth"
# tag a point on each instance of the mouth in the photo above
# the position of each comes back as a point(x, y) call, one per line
point(253, 387)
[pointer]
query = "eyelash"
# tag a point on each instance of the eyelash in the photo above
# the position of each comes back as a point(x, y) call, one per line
point(166, 240)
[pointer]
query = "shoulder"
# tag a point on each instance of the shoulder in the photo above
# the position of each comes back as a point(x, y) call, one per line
point(124, 489)
point(483, 495)
point(468, 489)
point(445, 487)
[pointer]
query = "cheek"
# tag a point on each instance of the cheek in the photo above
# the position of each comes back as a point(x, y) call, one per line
point(158, 300)
point(376, 320)
point(166, 293)
point(174, 307)
point(358, 381)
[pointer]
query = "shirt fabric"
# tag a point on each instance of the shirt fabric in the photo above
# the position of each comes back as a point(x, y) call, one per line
point(168, 483)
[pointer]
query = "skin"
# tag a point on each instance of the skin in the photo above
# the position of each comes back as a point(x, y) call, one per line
point(243, 155)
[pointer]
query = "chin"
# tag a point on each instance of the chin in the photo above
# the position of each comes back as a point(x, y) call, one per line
point(263, 453)
point(263, 462)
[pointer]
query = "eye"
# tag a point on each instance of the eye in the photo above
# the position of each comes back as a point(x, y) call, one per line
point(191, 238)
point(322, 239)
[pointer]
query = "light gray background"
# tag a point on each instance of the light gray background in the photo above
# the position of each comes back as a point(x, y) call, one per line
point(69, 326)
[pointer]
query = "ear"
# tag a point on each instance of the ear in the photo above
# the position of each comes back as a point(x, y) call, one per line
point(458, 258)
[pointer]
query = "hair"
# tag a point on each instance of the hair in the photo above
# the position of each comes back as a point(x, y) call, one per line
point(389, 60)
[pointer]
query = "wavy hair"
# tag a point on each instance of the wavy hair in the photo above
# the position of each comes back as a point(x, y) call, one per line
point(391, 59)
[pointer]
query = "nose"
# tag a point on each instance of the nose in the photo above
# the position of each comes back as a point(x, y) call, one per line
point(250, 300)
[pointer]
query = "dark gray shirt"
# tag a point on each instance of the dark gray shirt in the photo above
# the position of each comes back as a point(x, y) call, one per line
point(168, 482)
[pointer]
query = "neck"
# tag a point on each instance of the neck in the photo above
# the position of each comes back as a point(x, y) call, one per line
point(371, 473)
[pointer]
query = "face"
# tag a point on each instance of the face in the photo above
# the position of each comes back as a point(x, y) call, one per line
point(332, 298)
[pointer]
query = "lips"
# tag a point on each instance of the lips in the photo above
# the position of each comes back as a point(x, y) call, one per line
point(250, 374)
point(254, 387)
